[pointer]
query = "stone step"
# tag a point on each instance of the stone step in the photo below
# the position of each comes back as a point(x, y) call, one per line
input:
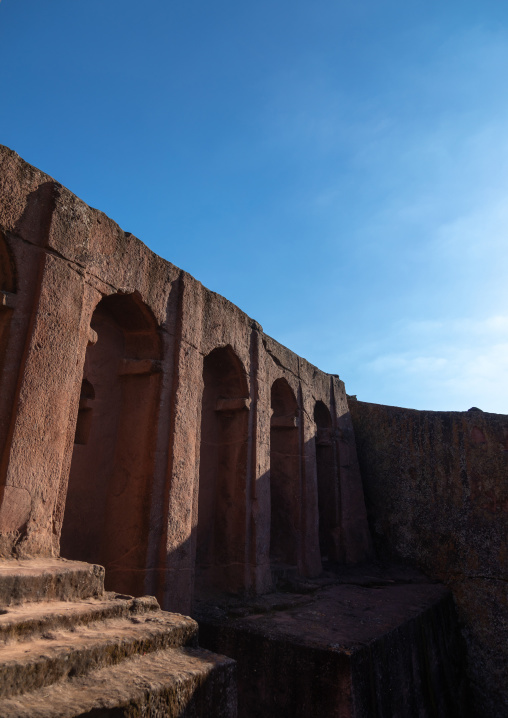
point(31, 620)
point(31, 580)
point(56, 655)
point(174, 683)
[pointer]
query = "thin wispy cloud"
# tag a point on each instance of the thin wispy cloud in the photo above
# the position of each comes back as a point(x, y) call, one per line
point(417, 212)
point(458, 363)
point(339, 171)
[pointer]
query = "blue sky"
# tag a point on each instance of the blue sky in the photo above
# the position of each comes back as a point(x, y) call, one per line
point(337, 169)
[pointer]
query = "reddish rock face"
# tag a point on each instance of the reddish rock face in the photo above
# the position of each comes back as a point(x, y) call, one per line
point(285, 489)
point(69, 648)
point(149, 425)
point(7, 303)
point(437, 495)
point(374, 641)
point(221, 529)
point(106, 517)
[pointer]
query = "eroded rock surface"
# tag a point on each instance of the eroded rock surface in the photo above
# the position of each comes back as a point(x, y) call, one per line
point(373, 641)
point(67, 648)
point(436, 487)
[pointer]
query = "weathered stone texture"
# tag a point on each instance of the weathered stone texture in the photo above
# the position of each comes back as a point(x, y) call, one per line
point(436, 488)
point(369, 643)
point(149, 425)
point(67, 648)
point(137, 401)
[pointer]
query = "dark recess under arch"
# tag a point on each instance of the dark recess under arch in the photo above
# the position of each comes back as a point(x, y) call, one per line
point(108, 498)
point(220, 550)
point(285, 493)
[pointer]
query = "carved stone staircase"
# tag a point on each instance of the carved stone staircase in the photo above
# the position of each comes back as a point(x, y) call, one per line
point(68, 648)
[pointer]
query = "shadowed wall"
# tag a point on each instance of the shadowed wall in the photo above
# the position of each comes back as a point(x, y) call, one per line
point(220, 552)
point(436, 488)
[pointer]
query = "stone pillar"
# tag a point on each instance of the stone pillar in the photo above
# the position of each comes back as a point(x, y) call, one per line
point(178, 546)
point(17, 303)
point(39, 446)
point(170, 337)
point(310, 554)
point(260, 486)
point(85, 336)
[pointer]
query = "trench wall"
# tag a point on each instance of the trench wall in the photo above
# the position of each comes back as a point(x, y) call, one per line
point(436, 490)
point(104, 355)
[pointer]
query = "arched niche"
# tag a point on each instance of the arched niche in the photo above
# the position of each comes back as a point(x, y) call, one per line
point(285, 492)
point(108, 498)
point(327, 481)
point(220, 547)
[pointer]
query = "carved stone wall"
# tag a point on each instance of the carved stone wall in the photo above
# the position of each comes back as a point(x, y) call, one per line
point(143, 417)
